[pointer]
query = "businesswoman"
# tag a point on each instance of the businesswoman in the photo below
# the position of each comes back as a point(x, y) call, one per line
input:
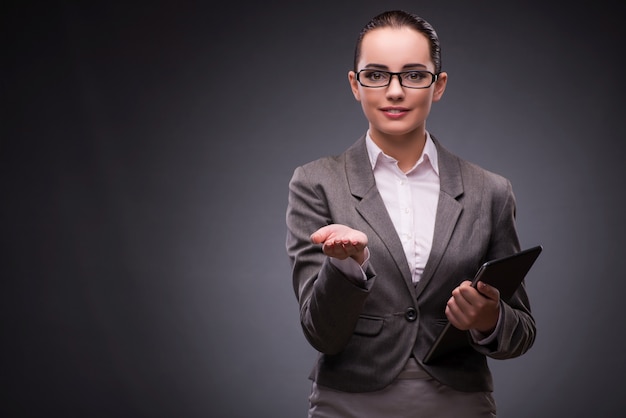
point(384, 239)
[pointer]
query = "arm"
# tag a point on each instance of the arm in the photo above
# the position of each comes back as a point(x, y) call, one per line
point(330, 302)
point(481, 309)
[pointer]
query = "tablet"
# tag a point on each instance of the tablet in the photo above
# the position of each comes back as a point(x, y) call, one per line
point(505, 274)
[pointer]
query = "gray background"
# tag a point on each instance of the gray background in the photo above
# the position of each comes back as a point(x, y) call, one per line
point(145, 156)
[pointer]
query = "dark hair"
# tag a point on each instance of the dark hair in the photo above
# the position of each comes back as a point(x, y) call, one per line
point(398, 19)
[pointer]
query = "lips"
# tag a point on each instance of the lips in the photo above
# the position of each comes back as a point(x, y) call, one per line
point(394, 112)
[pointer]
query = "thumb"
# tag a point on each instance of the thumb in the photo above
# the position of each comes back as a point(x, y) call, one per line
point(321, 234)
point(488, 291)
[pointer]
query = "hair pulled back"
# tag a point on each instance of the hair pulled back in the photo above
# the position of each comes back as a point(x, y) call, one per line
point(398, 19)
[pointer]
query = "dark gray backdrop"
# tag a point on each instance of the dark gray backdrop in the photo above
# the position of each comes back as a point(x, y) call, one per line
point(145, 156)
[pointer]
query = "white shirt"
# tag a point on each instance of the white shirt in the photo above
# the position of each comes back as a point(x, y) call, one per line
point(411, 201)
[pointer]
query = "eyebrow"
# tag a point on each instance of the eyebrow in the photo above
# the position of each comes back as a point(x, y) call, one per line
point(384, 67)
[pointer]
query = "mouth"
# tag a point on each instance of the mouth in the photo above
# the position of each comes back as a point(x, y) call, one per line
point(394, 111)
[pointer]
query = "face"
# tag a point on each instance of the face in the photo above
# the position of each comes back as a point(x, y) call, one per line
point(396, 113)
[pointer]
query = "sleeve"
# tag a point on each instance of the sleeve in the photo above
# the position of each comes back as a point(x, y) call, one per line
point(330, 302)
point(516, 330)
point(482, 339)
point(352, 269)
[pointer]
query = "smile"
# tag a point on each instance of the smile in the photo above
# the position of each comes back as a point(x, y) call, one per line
point(394, 111)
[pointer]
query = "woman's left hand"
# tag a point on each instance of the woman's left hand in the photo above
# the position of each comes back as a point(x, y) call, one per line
point(474, 308)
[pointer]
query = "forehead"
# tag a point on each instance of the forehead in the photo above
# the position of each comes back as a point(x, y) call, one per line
point(395, 48)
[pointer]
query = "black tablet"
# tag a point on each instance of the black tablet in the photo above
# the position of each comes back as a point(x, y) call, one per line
point(505, 274)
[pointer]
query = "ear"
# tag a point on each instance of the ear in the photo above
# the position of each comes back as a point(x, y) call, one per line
point(354, 85)
point(440, 86)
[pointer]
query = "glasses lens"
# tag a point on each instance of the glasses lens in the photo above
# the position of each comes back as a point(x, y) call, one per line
point(374, 78)
point(417, 79)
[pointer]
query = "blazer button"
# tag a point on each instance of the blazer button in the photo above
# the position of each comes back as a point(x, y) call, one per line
point(410, 314)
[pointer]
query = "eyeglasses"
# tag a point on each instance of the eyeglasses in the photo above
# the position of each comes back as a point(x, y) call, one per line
point(414, 79)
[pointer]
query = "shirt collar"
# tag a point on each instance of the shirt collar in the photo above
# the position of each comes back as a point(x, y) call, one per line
point(428, 154)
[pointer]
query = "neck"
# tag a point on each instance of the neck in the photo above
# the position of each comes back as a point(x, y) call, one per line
point(406, 149)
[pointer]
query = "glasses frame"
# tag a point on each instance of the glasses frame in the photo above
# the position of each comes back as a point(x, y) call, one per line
point(399, 74)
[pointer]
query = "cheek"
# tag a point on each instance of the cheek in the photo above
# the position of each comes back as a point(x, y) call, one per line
point(370, 101)
point(422, 104)
point(369, 110)
point(424, 98)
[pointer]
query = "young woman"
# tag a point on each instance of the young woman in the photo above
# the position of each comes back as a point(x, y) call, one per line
point(384, 239)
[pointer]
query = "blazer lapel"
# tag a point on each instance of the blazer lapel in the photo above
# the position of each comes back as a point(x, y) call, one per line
point(448, 211)
point(372, 208)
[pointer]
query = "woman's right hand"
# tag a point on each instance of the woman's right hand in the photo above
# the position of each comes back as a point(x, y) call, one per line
point(340, 241)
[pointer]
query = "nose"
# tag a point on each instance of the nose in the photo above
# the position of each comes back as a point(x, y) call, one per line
point(394, 89)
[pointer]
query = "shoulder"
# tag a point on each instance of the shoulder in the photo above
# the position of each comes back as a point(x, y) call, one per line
point(472, 175)
point(490, 179)
point(319, 170)
point(329, 162)
point(332, 166)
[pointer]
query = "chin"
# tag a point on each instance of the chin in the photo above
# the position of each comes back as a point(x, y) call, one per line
point(398, 131)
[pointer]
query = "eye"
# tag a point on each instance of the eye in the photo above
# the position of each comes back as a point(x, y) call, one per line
point(414, 75)
point(375, 75)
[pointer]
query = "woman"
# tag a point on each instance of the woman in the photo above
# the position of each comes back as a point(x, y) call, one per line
point(384, 239)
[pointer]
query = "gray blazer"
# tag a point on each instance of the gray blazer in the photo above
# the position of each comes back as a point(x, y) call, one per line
point(365, 334)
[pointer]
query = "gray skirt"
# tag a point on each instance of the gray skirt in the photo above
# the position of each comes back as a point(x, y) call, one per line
point(413, 394)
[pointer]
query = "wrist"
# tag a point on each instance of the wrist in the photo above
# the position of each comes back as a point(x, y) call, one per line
point(361, 257)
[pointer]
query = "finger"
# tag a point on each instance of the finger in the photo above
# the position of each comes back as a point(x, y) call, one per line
point(347, 239)
point(335, 251)
point(460, 302)
point(455, 316)
point(330, 245)
point(352, 248)
point(472, 294)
